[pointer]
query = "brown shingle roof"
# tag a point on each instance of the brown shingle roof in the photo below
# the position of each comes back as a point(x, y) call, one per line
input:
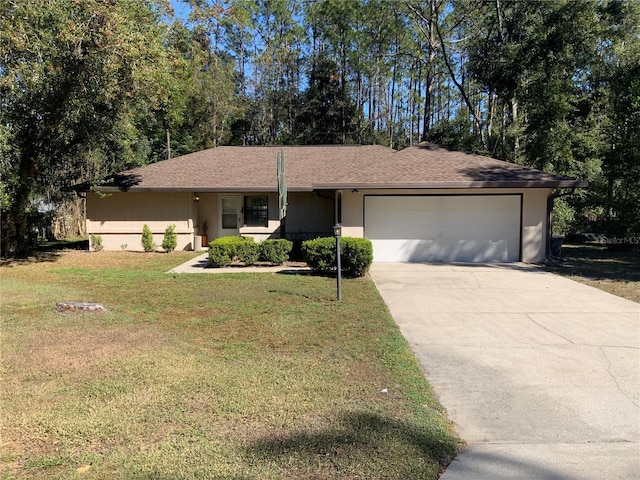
point(430, 166)
point(333, 166)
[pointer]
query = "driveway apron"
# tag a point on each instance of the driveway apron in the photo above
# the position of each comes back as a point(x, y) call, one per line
point(540, 374)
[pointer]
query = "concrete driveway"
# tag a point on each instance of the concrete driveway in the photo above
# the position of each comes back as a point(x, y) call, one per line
point(540, 374)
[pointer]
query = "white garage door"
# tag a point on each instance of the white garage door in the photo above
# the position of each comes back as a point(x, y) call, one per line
point(444, 228)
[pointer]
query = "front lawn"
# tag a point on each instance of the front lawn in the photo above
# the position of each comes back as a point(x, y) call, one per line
point(614, 270)
point(236, 376)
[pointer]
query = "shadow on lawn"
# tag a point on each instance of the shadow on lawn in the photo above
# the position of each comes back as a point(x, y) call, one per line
point(34, 257)
point(45, 252)
point(362, 438)
point(598, 262)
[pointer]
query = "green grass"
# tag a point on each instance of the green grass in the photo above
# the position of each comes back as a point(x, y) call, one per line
point(207, 376)
point(614, 270)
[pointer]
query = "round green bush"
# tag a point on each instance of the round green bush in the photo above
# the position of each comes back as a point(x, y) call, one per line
point(224, 250)
point(356, 255)
point(320, 253)
point(275, 251)
point(248, 252)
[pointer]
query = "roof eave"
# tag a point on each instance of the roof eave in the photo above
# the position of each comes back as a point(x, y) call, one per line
point(114, 189)
point(446, 185)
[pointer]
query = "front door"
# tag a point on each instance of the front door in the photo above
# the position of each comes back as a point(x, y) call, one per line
point(229, 208)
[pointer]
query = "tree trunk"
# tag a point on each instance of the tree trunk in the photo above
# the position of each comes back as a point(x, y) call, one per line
point(516, 129)
point(19, 242)
point(459, 86)
point(391, 107)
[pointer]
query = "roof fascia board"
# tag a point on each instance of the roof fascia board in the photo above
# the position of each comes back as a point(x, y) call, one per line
point(112, 189)
point(436, 185)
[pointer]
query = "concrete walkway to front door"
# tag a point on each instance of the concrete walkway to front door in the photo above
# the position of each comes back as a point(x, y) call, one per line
point(540, 374)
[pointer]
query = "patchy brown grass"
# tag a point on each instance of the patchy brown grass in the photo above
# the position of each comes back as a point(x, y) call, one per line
point(206, 376)
point(80, 350)
point(614, 270)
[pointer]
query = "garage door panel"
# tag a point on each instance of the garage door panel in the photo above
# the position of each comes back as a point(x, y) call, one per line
point(483, 228)
point(439, 251)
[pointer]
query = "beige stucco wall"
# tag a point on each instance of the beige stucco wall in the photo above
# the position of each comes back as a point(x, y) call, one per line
point(534, 214)
point(310, 214)
point(119, 218)
point(207, 212)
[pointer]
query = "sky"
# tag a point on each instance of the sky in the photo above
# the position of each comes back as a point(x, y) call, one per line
point(180, 9)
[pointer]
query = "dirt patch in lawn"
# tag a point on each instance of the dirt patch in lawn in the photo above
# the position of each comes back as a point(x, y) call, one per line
point(77, 350)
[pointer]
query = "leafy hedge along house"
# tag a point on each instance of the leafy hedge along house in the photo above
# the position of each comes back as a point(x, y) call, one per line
point(424, 203)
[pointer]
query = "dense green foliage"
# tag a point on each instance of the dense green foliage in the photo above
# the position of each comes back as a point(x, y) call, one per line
point(148, 244)
point(170, 239)
point(225, 250)
point(320, 253)
point(275, 251)
point(356, 255)
point(248, 252)
point(89, 88)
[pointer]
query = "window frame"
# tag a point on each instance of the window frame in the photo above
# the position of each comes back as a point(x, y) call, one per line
point(256, 210)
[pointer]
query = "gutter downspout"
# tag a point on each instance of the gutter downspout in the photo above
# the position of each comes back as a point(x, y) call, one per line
point(332, 199)
point(337, 204)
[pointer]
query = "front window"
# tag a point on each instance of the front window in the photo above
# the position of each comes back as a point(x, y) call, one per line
point(256, 211)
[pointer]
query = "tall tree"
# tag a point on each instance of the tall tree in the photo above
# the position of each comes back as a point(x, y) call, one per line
point(326, 113)
point(70, 72)
point(277, 71)
point(614, 199)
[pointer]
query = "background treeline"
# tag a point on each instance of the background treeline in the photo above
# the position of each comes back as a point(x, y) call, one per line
point(91, 87)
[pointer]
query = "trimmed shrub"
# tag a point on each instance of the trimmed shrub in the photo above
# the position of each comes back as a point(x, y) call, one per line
point(275, 251)
point(96, 242)
point(147, 239)
point(356, 255)
point(248, 252)
point(170, 240)
point(320, 253)
point(218, 257)
point(224, 250)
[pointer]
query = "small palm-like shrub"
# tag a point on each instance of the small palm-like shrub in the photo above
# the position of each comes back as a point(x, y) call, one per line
point(147, 239)
point(96, 242)
point(170, 240)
